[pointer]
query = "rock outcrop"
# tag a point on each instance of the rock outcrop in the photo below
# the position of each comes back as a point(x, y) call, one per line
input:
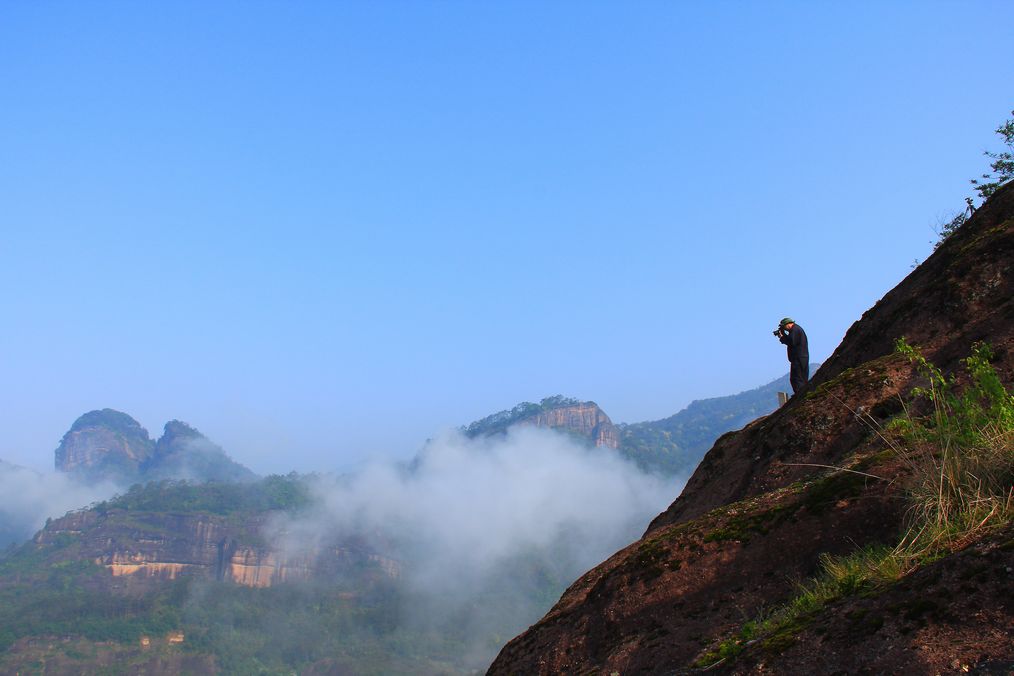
point(585, 420)
point(104, 444)
point(764, 505)
point(111, 445)
point(581, 419)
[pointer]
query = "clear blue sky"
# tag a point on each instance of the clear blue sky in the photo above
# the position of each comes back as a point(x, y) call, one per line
point(324, 231)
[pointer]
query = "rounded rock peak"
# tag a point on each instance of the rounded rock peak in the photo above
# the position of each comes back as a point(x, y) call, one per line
point(111, 419)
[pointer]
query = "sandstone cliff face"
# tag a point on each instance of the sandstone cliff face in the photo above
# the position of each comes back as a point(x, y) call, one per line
point(141, 548)
point(763, 504)
point(105, 441)
point(585, 419)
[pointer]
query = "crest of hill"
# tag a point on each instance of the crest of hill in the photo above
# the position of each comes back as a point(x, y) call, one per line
point(763, 508)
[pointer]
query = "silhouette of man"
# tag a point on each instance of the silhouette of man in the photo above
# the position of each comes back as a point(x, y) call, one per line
point(792, 335)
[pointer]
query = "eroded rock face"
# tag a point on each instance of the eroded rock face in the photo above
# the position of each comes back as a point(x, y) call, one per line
point(763, 504)
point(142, 548)
point(104, 443)
point(585, 419)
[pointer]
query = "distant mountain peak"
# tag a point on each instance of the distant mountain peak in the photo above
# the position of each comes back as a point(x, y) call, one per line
point(177, 429)
point(104, 444)
point(581, 418)
point(182, 452)
point(109, 444)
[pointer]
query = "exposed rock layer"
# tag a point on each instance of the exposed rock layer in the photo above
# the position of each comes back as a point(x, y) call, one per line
point(139, 548)
point(104, 441)
point(585, 419)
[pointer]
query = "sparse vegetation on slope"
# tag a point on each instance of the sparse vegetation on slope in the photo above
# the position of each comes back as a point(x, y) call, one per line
point(961, 457)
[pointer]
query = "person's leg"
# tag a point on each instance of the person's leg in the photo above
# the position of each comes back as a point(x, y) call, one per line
point(797, 377)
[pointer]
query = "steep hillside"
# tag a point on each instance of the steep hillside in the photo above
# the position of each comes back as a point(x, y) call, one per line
point(962, 294)
point(766, 503)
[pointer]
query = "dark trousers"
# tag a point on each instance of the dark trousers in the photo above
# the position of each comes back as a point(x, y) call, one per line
point(799, 374)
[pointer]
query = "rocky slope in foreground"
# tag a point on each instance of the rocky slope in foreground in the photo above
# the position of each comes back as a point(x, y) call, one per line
point(762, 507)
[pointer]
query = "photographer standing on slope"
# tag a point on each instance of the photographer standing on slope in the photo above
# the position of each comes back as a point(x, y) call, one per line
point(791, 334)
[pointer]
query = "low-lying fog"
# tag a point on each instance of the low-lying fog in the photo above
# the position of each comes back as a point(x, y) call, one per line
point(488, 527)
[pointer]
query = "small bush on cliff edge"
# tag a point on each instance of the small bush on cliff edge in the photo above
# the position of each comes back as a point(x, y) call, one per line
point(1002, 172)
point(1002, 164)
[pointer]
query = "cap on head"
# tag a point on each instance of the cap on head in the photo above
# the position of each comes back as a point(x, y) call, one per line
point(786, 320)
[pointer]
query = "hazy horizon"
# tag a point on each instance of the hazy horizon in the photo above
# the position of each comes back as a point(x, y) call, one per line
point(155, 431)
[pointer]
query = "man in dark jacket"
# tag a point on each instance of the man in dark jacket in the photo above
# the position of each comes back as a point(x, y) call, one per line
point(792, 335)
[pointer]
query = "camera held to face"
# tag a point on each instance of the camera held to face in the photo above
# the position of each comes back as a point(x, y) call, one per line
point(777, 333)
